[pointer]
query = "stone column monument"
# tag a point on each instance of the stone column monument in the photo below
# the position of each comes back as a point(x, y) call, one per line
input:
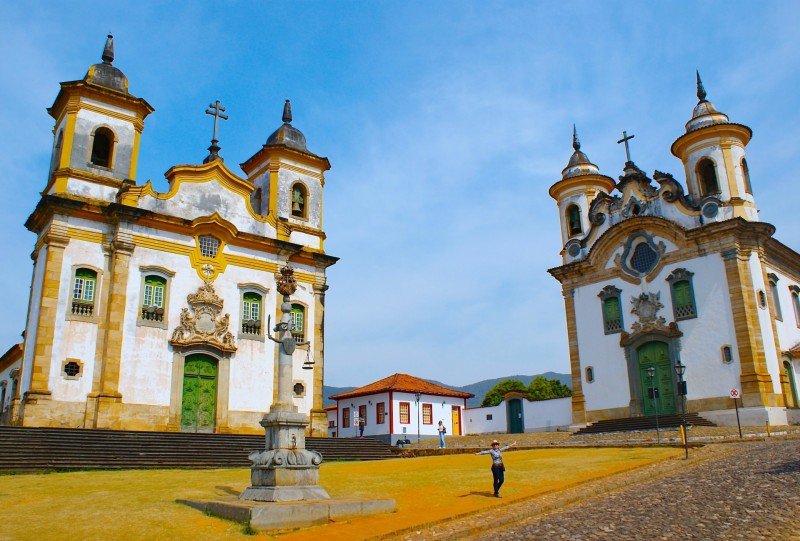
point(285, 470)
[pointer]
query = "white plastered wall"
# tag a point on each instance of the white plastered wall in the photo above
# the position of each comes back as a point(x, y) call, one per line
point(701, 343)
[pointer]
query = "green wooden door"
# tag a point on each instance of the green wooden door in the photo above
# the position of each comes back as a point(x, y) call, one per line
point(656, 354)
point(516, 423)
point(199, 407)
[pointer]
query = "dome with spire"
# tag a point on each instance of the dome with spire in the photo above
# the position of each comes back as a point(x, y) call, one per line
point(579, 163)
point(287, 134)
point(105, 74)
point(704, 114)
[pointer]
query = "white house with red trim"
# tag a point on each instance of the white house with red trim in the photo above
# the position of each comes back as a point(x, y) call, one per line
point(399, 407)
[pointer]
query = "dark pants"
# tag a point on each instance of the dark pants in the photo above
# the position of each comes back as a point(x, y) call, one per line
point(499, 476)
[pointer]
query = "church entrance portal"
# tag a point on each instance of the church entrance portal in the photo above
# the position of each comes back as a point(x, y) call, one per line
point(516, 423)
point(656, 354)
point(199, 405)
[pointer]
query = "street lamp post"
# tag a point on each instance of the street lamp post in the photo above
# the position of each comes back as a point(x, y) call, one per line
point(680, 369)
point(651, 372)
point(417, 397)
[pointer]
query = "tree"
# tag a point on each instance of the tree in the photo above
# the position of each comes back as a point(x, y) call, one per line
point(495, 394)
point(542, 388)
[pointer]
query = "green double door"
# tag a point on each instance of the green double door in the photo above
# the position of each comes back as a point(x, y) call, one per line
point(656, 354)
point(199, 406)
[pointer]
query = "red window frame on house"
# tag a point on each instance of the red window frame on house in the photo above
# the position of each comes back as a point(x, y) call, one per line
point(331, 424)
point(380, 413)
point(405, 413)
point(427, 414)
point(345, 417)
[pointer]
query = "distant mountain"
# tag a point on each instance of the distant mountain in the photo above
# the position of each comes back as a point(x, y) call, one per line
point(479, 389)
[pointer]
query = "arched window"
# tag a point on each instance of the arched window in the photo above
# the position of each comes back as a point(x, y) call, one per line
point(707, 177)
point(102, 147)
point(56, 159)
point(298, 322)
point(251, 313)
point(299, 200)
point(589, 374)
point(257, 200)
point(574, 220)
point(746, 174)
point(683, 303)
point(83, 292)
point(612, 309)
point(773, 289)
point(796, 302)
point(154, 297)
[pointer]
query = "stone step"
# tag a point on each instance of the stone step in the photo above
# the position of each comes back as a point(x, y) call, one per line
point(26, 449)
point(643, 423)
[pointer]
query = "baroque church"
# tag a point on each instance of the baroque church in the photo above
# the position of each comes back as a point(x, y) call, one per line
point(149, 310)
point(678, 288)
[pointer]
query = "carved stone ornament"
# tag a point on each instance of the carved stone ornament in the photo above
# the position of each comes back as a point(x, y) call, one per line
point(204, 325)
point(646, 307)
point(286, 284)
point(285, 458)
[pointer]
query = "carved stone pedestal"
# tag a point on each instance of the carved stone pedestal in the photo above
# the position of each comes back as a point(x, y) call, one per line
point(285, 470)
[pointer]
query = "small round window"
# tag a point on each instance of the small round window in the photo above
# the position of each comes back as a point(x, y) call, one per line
point(299, 389)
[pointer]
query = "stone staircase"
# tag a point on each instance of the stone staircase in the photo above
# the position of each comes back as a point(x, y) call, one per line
point(36, 449)
point(643, 423)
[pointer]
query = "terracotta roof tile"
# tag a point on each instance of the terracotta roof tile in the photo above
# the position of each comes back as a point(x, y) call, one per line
point(404, 383)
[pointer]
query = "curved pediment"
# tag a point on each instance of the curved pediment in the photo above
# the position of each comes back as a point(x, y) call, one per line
point(203, 190)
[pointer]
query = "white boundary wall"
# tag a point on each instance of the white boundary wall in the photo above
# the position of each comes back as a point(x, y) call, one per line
point(538, 416)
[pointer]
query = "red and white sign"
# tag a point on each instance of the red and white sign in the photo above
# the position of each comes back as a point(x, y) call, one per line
point(734, 393)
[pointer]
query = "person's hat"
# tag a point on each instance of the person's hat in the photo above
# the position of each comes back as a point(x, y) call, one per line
point(495, 442)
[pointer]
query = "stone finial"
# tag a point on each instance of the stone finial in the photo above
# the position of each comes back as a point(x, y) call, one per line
point(108, 50)
point(287, 112)
point(701, 92)
point(576, 143)
point(286, 284)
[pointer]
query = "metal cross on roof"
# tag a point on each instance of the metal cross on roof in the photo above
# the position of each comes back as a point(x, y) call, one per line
point(625, 139)
point(215, 109)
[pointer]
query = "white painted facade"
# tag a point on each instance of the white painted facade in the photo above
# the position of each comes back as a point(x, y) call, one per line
point(637, 240)
point(395, 425)
point(94, 218)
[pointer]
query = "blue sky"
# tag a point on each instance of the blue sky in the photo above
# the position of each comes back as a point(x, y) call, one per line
point(445, 123)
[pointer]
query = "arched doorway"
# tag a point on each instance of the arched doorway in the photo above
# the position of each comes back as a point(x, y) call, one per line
point(199, 399)
point(516, 421)
point(656, 355)
point(792, 384)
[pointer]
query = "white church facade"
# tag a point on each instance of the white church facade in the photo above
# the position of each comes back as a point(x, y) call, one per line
point(149, 310)
point(656, 275)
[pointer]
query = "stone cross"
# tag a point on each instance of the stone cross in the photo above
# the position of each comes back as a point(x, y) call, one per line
point(625, 139)
point(216, 110)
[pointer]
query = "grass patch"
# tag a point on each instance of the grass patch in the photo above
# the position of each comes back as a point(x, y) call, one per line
point(140, 504)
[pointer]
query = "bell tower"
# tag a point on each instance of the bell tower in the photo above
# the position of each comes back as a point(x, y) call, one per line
point(580, 183)
point(289, 180)
point(713, 156)
point(98, 125)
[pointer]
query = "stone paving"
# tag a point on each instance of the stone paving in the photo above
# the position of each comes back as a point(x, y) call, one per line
point(733, 491)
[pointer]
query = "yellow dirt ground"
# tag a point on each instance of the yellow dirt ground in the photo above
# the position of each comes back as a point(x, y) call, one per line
point(141, 504)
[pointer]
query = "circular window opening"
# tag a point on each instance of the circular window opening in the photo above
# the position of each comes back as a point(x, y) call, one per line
point(72, 369)
point(299, 389)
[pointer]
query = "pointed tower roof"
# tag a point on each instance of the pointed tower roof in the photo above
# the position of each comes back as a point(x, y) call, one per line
point(287, 134)
point(579, 163)
point(704, 114)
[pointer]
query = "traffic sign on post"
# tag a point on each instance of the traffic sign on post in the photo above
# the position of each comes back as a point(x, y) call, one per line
point(734, 393)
